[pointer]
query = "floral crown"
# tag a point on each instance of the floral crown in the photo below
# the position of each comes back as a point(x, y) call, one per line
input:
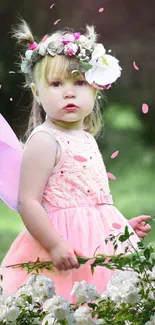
point(100, 69)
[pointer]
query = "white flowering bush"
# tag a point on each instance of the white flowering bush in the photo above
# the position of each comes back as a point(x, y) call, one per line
point(128, 300)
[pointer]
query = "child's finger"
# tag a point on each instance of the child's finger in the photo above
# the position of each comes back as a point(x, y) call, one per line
point(143, 218)
point(78, 253)
point(141, 234)
point(145, 228)
point(74, 262)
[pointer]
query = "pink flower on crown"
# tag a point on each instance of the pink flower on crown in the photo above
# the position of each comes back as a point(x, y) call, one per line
point(70, 38)
point(76, 36)
point(70, 49)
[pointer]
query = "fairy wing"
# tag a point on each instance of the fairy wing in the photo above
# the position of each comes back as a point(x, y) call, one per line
point(10, 160)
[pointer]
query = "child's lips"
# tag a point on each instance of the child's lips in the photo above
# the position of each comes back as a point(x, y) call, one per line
point(71, 108)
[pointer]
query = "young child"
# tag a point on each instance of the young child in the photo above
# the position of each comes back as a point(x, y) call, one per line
point(64, 197)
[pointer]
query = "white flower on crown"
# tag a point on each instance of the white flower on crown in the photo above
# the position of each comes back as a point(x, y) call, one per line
point(105, 68)
point(25, 66)
point(83, 40)
point(67, 38)
point(42, 49)
point(28, 54)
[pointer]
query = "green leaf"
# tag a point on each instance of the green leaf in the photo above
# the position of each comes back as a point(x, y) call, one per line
point(92, 305)
point(85, 66)
point(76, 73)
point(73, 66)
point(122, 238)
point(127, 232)
point(141, 268)
point(115, 247)
point(147, 253)
point(140, 244)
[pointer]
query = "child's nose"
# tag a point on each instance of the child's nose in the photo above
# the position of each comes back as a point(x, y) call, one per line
point(69, 92)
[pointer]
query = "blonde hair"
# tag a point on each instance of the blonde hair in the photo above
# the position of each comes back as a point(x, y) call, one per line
point(56, 66)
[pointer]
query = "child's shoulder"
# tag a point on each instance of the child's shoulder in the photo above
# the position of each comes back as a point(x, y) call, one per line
point(40, 138)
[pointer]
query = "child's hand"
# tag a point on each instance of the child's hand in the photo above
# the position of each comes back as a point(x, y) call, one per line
point(63, 256)
point(139, 226)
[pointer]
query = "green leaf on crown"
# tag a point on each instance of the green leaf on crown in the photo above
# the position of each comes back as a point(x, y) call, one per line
point(85, 66)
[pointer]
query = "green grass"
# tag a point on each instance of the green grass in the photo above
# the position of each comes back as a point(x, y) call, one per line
point(10, 225)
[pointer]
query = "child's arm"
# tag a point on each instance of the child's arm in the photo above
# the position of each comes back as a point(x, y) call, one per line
point(36, 168)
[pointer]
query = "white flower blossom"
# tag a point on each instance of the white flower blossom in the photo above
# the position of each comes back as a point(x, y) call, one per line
point(50, 319)
point(12, 313)
point(70, 49)
point(21, 295)
point(98, 51)
point(105, 68)
point(152, 256)
point(28, 54)
point(68, 37)
point(36, 321)
point(82, 316)
point(124, 286)
point(25, 66)
point(42, 49)
point(3, 310)
point(58, 306)
point(7, 300)
point(151, 321)
point(105, 295)
point(84, 291)
point(83, 40)
point(100, 321)
point(44, 286)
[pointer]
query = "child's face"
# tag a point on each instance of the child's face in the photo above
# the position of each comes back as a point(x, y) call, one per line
point(58, 92)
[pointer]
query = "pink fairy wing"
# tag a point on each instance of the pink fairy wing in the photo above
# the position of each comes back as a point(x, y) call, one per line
point(10, 161)
point(7, 135)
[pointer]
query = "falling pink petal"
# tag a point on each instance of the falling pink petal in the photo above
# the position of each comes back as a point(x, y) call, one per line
point(80, 158)
point(115, 154)
point(111, 176)
point(57, 21)
point(90, 262)
point(96, 86)
point(145, 108)
point(135, 66)
point(0, 86)
point(101, 9)
point(116, 225)
point(12, 72)
point(44, 38)
point(11, 99)
point(107, 260)
point(53, 4)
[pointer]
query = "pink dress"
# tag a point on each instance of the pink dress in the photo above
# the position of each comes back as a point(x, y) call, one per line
point(79, 206)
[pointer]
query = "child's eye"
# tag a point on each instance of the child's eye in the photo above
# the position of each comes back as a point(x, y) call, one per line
point(81, 82)
point(56, 83)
